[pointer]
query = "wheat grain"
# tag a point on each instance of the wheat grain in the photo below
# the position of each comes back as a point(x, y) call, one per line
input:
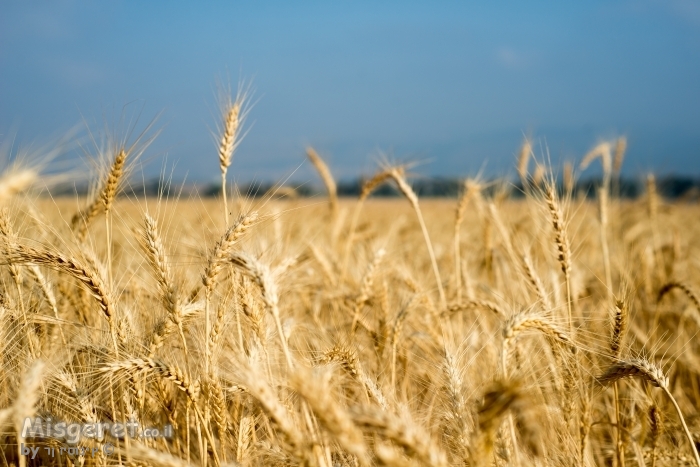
point(620, 323)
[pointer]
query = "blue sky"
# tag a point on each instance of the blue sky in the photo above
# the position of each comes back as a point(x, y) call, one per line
point(452, 84)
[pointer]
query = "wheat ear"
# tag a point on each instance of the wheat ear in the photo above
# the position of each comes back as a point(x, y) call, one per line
point(49, 296)
point(535, 282)
point(350, 363)
point(619, 156)
point(568, 175)
point(163, 329)
point(223, 248)
point(163, 370)
point(109, 192)
point(653, 210)
point(497, 401)
point(683, 288)
point(227, 144)
point(261, 275)
point(602, 151)
point(172, 373)
point(524, 322)
point(484, 304)
point(366, 288)
point(647, 371)
point(456, 403)
point(104, 198)
point(82, 219)
point(16, 181)
point(9, 238)
point(216, 258)
point(562, 241)
point(538, 176)
point(88, 276)
point(327, 178)
point(657, 427)
point(86, 406)
point(414, 441)
point(635, 368)
point(336, 419)
point(260, 389)
point(523, 160)
point(620, 324)
point(367, 188)
point(155, 253)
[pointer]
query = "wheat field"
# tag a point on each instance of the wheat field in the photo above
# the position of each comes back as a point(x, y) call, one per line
point(551, 330)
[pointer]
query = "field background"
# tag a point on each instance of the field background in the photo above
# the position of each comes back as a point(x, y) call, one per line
point(322, 337)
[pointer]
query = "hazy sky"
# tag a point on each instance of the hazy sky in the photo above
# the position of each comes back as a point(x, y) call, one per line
point(452, 84)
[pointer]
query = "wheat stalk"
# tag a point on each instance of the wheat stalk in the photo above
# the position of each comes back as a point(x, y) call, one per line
point(397, 175)
point(470, 190)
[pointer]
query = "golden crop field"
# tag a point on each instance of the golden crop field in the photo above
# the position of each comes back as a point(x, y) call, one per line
point(553, 330)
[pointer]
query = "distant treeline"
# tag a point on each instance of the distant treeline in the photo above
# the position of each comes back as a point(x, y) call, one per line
point(671, 187)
